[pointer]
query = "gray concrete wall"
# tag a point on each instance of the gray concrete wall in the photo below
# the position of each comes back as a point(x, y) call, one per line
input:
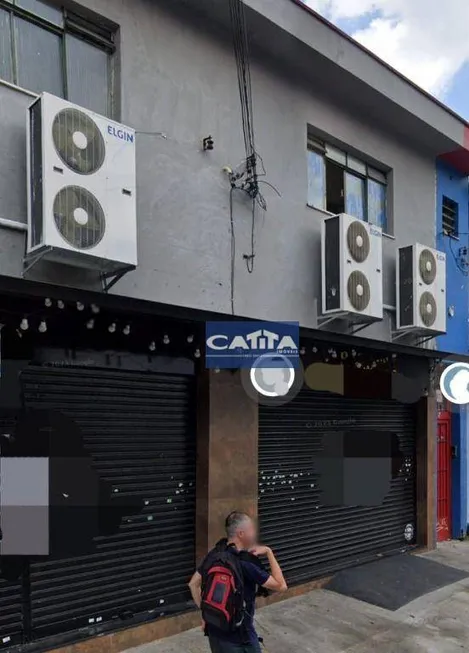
point(181, 80)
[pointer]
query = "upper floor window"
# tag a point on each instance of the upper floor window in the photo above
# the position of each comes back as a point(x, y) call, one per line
point(47, 48)
point(450, 217)
point(341, 183)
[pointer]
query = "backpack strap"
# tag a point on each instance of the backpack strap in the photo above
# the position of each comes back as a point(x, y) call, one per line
point(224, 554)
point(250, 557)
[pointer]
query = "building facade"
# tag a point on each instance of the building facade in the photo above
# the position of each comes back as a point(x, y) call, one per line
point(452, 230)
point(112, 369)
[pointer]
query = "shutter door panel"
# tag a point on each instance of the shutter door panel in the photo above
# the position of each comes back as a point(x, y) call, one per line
point(311, 539)
point(11, 596)
point(11, 614)
point(139, 431)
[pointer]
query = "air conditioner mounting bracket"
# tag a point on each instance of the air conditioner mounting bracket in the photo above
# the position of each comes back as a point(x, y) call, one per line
point(324, 321)
point(397, 335)
point(29, 262)
point(355, 330)
point(424, 340)
point(344, 315)
point(109, 279)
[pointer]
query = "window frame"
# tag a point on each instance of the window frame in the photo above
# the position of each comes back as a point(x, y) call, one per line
point(373, 174)
point(72, 24)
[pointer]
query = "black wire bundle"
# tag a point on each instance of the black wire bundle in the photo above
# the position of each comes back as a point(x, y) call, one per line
point(241, 49)
point(249, 178)
point(251, 185)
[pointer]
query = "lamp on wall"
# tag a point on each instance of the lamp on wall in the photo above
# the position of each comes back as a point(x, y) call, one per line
point(207, 144)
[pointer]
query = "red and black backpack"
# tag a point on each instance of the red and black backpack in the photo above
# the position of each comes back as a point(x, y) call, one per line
point(222, 603)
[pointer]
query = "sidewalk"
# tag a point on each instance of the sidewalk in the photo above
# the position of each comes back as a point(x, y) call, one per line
point(325, 622)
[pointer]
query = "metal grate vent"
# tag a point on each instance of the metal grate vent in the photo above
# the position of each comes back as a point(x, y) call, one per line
point(450, 217)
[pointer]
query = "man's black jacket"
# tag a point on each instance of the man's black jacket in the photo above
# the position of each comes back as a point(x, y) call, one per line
point(222, 545)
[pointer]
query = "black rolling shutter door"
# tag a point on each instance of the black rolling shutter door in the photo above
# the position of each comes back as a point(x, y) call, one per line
point(11, 613)
point(139, 431)
point(311, 539)
point(11, 593)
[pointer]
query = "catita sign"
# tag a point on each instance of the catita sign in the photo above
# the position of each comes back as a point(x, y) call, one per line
point(239, 344)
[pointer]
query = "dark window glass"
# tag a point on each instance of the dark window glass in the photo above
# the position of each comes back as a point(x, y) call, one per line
point(39, 55)
point(335, 188)
point(316, 180)
point(87, 74)
point(42, 9)
point(62, 54)
point(377, 204)
point(6, 70)
point(355, 196)
point(341, 183)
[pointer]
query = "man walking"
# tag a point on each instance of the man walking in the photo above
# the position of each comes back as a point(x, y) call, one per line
point(241, 550)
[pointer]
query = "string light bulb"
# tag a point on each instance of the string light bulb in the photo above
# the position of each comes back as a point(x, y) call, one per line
point(217, 370)
point(80, 306)
point(166, 339)
point(302, 351)
point(90, 324)
point(60, 304)
point(190, 339)
point(197, 353)
point(152, 346)
point(24, 324)
point(126, 330)
point(48, 302)
point(42, 326)
point(94, 309)
point(112, 327)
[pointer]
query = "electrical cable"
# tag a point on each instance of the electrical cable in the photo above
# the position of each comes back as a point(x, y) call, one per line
point(233, 245)
point(249, 258)
point(250, 175)
point(160, 134)
point(233, 252)
point(262, 181)
point(458, 260)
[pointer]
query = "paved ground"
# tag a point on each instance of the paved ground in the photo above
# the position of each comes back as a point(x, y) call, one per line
point(325, 622)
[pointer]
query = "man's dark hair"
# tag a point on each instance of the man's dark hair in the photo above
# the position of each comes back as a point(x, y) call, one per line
point(234, 521)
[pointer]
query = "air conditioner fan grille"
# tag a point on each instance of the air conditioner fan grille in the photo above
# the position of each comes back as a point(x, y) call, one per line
point(79, 217)
point(358, 290)
point(427, 309)
point(78, 141)
point(358, 241)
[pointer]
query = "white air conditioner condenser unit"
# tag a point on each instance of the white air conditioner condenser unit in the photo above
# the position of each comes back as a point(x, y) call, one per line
point(81, 187)
point(421, 289)
point(351, 268)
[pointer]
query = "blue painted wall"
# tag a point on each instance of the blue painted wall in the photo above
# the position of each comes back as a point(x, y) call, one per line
point(451, 184)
